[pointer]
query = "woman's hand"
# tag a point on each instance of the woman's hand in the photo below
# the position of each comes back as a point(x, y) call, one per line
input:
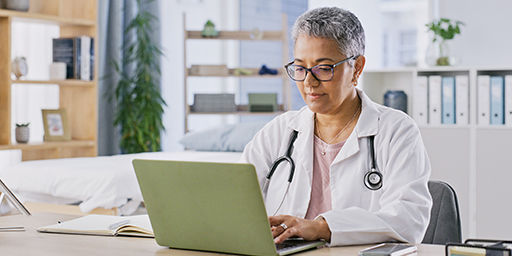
point(298, 227)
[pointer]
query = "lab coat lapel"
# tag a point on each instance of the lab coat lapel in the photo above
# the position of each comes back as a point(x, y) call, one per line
point(303, 123)
point(367, 125)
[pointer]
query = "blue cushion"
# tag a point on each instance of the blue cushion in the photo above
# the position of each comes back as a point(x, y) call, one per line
point(222, 138)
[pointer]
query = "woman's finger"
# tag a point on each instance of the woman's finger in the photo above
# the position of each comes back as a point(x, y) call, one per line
point(285, 235)
point(276, 220)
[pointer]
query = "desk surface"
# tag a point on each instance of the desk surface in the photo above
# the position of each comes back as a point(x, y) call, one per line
point(30, 242)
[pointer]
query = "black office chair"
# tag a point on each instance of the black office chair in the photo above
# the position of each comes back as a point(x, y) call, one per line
point(444, 223)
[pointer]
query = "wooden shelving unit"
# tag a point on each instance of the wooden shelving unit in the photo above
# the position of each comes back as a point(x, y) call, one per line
point(79, 98)
point(274, 35)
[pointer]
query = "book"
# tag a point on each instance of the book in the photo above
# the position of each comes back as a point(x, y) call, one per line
point(78, 54)
point(448, 100)
point(508, 100)
point(421, 101)
point(497, 95)
point(63, 52)
point(462, 99)
point(483, 99)
point(106, 225)
point(434, 98)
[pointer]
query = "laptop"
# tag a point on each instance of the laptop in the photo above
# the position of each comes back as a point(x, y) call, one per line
point(209, 207)
point(5, 192)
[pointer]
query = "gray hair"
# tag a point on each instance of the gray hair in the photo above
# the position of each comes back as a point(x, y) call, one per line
point(332, 23)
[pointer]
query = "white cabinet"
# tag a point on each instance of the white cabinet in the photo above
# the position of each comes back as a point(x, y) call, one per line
point(234, 72)
point(470, 155)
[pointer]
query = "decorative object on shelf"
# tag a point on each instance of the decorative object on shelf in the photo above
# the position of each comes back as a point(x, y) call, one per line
point(214, 102)
point(22, 132)
point(262, 102)
point(78, 54)
point(438, 52)
point(19, 67)
point(56, 126)
point(396, 100)
point(209, 30)
point(139, 107)
point(209, 70)
point(16, 5)
point(264, 70)
point(57, 71)
point(256, 34)
point(242, 72)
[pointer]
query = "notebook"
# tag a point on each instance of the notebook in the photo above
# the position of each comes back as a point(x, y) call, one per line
point(209, 207)
point(106, 225)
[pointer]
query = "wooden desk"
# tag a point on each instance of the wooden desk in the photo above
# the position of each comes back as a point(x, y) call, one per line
point(30, 242)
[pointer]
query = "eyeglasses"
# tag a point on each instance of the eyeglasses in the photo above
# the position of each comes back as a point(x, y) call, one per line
point(322, 72)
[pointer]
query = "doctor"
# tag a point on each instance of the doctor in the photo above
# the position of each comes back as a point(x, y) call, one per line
point(331, 195)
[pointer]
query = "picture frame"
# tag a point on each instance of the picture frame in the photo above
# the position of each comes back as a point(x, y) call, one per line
point(56, 126)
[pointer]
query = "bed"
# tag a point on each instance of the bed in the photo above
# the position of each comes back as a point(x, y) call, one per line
point(107, 184)
point(91, 183)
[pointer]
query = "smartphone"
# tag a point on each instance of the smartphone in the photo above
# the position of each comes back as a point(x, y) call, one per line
point(389, 249)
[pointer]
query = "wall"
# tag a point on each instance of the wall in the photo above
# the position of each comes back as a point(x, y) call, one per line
point(370, 19)
point(486, 38)
point(224, 14)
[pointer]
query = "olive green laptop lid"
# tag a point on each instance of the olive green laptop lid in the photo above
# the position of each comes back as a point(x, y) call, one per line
point(205, 206)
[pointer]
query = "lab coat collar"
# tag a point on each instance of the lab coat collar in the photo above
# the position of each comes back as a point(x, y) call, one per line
point(367, 124)
point(303, 122)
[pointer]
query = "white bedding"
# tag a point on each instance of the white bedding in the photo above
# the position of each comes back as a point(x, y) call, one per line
point(105, 182)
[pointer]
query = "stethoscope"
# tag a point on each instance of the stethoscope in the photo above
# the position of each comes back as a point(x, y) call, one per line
point(372, 178)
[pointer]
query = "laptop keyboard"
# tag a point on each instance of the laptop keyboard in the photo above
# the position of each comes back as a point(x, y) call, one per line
point(290, 244)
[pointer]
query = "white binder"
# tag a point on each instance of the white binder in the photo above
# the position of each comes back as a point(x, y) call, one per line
point(508, 100)
point(483, 99)
point(462, 100)
point(434, 95)
point(420, 101)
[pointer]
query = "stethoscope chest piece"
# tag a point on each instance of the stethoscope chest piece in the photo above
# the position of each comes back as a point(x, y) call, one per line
point(373, 179)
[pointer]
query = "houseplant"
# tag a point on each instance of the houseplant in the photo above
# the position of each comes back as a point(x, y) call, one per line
point(139, 103)
point(444, 30)
point(22, 132)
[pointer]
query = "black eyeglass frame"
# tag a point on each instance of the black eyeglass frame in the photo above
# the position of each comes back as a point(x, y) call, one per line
point(310, 70)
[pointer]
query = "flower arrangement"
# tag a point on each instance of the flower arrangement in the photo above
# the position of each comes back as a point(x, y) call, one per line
point(444, 29)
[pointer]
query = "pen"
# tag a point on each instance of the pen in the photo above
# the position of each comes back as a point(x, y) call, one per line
point(118, 224)
point(5, 229)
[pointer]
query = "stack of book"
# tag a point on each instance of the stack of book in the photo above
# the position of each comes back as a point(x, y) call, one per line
point(78, 54)
point(442, 100)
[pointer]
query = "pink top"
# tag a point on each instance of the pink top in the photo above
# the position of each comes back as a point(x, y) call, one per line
point(323, 155)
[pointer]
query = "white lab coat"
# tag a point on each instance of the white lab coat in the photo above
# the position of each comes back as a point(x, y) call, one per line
point(400, 210)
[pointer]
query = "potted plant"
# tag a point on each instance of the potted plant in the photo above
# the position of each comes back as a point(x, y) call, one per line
point(22, 132)
point(444, 29)
point(139, 103)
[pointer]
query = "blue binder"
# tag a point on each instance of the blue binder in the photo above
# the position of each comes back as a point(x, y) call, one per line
point(497, 100)
point(448, 100)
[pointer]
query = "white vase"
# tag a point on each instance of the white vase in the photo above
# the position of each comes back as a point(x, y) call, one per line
point(22, 134)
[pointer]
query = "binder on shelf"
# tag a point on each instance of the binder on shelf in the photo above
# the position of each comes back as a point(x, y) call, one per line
point(497, 100)
point(434, 96)
point(462, 100)
point(420, 102)
point(483, 99)
point(508, 100)
point(448, 100)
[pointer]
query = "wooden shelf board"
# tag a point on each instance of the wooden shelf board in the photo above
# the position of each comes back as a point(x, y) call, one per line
point(236, 35)
point(69, 82)
point(45, 17)
point(238, 113)
point(231, 73)
point(50, 145)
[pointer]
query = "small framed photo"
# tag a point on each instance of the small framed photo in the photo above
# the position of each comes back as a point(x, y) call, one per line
point(56, 126)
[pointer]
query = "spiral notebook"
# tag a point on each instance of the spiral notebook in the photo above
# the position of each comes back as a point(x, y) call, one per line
point(105, 225)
